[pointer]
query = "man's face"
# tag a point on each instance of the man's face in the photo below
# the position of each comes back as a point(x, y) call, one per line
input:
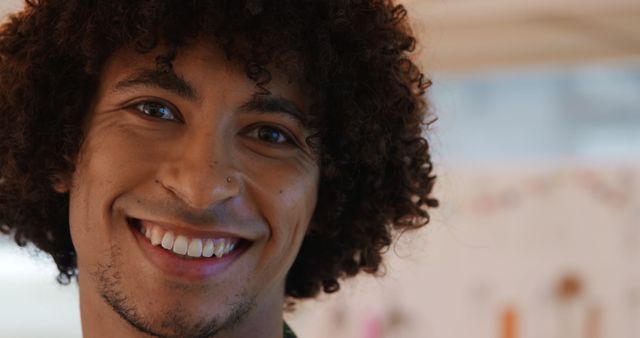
point(196, 162)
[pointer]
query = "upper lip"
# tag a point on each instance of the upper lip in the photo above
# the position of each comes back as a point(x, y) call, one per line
point(182, 228)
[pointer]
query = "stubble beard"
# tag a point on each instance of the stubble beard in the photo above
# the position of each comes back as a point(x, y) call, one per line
point(175, 322)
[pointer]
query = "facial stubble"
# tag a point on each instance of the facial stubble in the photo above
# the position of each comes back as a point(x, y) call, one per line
point(175, 322)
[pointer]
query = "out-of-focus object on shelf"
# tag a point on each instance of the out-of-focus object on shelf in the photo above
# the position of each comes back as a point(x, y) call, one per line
point(471, 35)
point(8, 6)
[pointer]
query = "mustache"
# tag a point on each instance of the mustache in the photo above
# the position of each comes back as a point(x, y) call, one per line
point(218, 214)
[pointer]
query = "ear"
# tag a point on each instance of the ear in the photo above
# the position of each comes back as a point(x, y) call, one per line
point(60, 183)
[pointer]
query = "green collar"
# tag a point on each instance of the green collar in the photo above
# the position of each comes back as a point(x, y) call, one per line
point(288, 333)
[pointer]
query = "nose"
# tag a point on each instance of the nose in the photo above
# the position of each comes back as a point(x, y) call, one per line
point(201, 174)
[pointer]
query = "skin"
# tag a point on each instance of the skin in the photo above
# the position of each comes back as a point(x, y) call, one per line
point(210, 160)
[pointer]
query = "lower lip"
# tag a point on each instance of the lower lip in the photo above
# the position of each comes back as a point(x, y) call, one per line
point(185, 268)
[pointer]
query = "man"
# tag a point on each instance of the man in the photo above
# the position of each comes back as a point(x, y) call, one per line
point(198, 164)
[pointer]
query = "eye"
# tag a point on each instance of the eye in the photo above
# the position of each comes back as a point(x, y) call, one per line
point(270, 135)
point(156, 110)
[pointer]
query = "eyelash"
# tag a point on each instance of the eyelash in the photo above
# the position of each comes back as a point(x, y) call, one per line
point(254, 132)
point(175, 114)
point(253, 129)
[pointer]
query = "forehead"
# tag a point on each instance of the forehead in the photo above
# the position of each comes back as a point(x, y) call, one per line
point(195, 62)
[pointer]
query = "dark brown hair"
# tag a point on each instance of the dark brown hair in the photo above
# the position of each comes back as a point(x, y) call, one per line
point(368, 110)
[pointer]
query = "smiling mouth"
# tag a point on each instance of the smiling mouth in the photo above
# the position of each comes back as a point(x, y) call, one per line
point(186, 246)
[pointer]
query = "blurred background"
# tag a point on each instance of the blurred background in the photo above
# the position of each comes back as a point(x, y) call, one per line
point(537, 150)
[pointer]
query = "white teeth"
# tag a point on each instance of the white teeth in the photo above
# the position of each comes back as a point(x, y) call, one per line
point(181, 245)
point(219, 245)
point(156, 235)
point(229, 248)
point(195, 248)
point(207, 251)
point(167, 240)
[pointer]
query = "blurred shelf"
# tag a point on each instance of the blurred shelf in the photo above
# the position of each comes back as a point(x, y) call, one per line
point(469, 35)
point(466, 35)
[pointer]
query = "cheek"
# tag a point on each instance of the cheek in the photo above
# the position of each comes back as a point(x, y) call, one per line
point(112, 161)
point(86, 215)
point(286, 197)
point(103, 172)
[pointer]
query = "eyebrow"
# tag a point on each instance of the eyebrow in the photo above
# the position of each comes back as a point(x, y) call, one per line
point(164, 80)
point(262, 103)
point(274, 104)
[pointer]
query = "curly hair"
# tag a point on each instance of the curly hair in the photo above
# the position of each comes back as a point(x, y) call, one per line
point(368, 109)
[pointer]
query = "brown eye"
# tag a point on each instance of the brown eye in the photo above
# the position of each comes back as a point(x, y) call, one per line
point(272, 135)
point(156, 110)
